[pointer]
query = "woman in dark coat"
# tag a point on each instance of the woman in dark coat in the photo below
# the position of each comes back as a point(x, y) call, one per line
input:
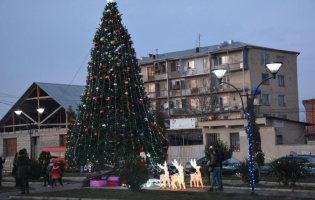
point(15, 171)
point(23, 171)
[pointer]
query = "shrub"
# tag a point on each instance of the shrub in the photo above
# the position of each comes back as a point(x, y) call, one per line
point(44, 155)
point(244, 170)
point(219, 144)
point(286, 171)
point(35, 169)
point(135, 173)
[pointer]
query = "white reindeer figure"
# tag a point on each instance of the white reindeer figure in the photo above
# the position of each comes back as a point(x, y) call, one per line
point(164, 177)
point(178, 178)
point(196, 177)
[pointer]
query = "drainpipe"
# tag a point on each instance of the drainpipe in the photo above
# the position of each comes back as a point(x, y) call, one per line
point(168, 87)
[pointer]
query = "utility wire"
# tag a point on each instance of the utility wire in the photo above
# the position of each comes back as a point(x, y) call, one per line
point(75, 75)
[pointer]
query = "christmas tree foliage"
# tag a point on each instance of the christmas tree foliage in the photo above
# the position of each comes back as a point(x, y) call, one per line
point(113, 120)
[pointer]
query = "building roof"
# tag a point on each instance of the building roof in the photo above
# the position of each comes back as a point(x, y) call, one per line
point(211, 49)
point(65, 95)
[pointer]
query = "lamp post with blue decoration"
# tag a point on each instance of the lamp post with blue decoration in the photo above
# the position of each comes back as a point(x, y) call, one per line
point(219, 73)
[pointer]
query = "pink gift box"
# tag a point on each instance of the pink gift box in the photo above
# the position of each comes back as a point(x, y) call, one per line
point(113, 178)
point(98, 183)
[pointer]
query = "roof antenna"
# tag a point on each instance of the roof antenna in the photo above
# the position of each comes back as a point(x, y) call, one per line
point(198, 42)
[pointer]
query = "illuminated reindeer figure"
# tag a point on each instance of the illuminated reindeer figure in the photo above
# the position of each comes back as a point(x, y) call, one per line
point(164, 177)
point(196, 177)
point(178, 178)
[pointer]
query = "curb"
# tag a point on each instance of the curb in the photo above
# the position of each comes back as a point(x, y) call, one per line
point(272, 189)
point(53, 198)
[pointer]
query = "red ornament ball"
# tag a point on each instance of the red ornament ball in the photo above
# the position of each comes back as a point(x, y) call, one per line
point(108, 99)
point(102, 112)
point(86, 130)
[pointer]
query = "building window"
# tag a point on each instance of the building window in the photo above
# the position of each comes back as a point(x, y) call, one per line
point(226, 100)
point(206, 82)
point(153, 105)
point(235, 141)
point(281, 80)
point(206, 63)
point(163, 68)
point(178, 104)
point(194, 103)
point(280, 59)
point(191, 64)
point(279, 139)
point(264, 77)
point(223, 60)
point(264, 59)
point(164, 86)
point(211, 138)
point(175, 67)
point(152, 88)
point(265, 99)
point(63, 140)
point(192, 83)
point(281, 100)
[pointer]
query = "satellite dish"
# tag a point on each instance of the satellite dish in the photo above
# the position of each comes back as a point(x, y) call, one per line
point(165, 106)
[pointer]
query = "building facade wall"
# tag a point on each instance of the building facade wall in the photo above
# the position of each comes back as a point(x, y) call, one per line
point(289, 90)
point(293, 136)
point(310, 115)
point(47, 138)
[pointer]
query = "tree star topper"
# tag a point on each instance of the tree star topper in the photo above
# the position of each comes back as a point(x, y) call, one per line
point(109, 1)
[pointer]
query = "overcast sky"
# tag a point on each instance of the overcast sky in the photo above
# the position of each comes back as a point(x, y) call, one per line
point(48, 40)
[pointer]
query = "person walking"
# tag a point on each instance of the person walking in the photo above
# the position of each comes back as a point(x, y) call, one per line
point(215, 166)
point(49, 168)
point(15, 171)
point(221, 158)
point(44, 173)
point(2, 161)
point(23, 171)
point(56, 174)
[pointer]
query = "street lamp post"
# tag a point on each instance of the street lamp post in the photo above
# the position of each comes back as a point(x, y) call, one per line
point(273, 68)
point(29, 125)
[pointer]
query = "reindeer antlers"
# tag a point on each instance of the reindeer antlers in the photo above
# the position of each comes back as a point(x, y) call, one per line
point(193, 163)
point(162, 166)
point(175, 163)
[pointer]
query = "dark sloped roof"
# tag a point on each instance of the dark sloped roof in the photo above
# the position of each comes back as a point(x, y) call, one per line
point(64, 95)
point(213, 48)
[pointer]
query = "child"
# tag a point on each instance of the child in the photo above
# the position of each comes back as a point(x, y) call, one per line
point(44, 173)
point(56, 174)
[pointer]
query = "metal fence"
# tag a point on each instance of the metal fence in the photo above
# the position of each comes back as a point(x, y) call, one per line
point(184, 154)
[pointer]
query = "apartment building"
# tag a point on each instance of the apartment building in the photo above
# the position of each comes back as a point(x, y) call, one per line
point(180, 83)
point(309, 105)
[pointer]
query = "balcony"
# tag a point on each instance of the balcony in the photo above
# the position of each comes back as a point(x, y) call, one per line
point(152, 95)
point(175, 93)
point(227, 88)
point(192, 71)
point(178, 111)
point(162, 94)
point(156, 76)
point(231, 66)
point(174, 74)
point(176, 87)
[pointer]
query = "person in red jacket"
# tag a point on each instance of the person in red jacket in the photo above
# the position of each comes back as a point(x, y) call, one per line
point(56, 174)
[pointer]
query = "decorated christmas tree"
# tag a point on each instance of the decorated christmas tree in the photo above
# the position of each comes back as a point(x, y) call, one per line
point(114, 120)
